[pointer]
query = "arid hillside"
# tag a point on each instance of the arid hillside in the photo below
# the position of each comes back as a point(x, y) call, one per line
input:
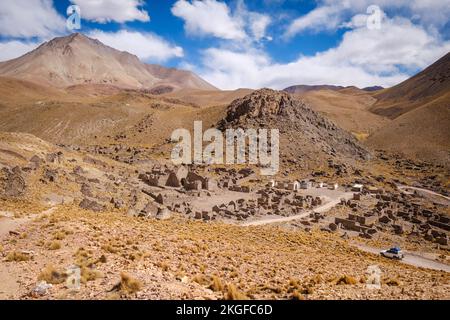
point(349, 108)
point(420, 109)
point(428, 85)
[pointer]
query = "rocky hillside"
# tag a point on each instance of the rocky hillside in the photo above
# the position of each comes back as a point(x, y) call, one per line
point(306, 137)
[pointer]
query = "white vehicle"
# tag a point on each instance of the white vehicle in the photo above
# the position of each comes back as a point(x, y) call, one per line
point(393, 253)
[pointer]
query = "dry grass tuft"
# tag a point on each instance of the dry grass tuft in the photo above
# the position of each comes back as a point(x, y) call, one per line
point(51, 275)
point(201, 279)
point(128, 284)
point(88, 274)
point(234, 294)
point(216, 284)
point(163, 265)
point(59, 235)
point(297, 296)
point(393, 283)
point(346, 280)
point(18, 256)
point(54, 245)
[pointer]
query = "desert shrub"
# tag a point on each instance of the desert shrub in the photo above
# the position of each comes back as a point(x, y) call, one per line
point(201, 279)
point(88, 274)
point(216, 284)
point(297, 296)
point(234, 294)
point(17, 256)
point(307, 289)
point(163, 265)
point(59, 236)
point(109, 248)
point(346, 280)
point(54, 245)
point(51, 275)
point(128, 284)
point(393, 283)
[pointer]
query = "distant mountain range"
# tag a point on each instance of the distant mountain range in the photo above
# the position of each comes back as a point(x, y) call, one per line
point(307, 88)
point(78, 59)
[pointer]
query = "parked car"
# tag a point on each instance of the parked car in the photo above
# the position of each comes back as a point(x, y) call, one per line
point(393, 253)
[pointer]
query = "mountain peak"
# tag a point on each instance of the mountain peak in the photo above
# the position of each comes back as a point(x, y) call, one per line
point(78, 59)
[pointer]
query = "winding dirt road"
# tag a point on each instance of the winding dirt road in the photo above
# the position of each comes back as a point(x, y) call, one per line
point(406, 188)
point(323, 208)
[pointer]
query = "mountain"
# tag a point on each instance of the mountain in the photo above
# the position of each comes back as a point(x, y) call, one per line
point(307, 88)
point(348, 108)
point(426, 86)
point(77, 59)
point(307, 139)
point(373, 88)
point(420, 109)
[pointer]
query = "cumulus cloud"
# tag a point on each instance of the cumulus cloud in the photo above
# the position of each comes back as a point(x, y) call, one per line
point(13, 49)
point(214, 18)
point(258, 25)
point(147, 46)
point(331, 14)
point(30, 18)
point(322, 18)
point(363, 58)
point(208, 17)
point(104, 11)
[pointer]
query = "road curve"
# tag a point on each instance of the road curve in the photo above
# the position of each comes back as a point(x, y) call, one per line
point(402, 187)
point(323, 208)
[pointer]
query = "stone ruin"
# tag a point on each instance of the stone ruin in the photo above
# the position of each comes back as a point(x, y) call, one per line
point(180, 177)
point(398, 213)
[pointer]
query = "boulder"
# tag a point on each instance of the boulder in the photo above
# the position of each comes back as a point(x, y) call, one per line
point(92, 205)
point(163, 214)
point(14, 184)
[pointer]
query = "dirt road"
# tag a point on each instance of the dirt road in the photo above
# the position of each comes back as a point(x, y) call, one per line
point(412, 258)
point(323, 208)
point(11, 224)
point(405, 188)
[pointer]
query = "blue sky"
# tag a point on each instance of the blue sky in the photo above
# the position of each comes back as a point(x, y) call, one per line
point(250, 43)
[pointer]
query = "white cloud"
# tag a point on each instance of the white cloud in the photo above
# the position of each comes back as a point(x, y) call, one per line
point(209, 17)
point(14, 49)
point(258, 25)
point(30, 18)
point(104, 11)
point(214, 18)
point(363, 58)
point(331, 14)
point(321, 18)
point(147, 46)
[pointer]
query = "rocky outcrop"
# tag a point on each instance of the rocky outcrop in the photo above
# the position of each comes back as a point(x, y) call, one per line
point(304, 133)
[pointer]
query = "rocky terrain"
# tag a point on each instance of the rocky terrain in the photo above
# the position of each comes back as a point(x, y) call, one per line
point(304, 133)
